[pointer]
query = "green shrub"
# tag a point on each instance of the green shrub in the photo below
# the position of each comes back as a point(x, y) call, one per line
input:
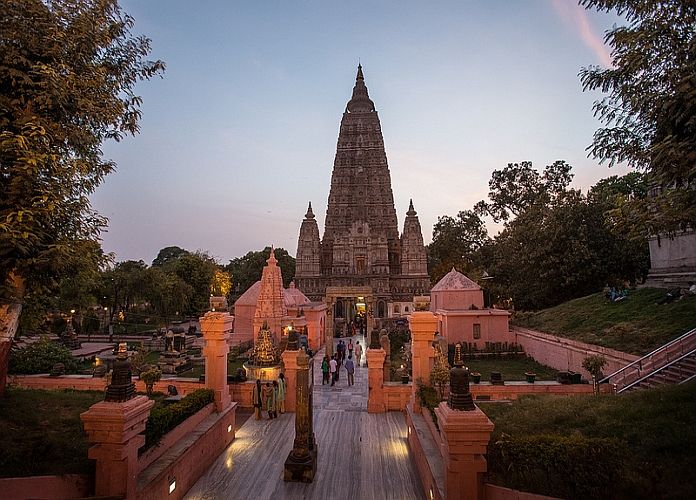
point(428, 398)
point(572, 467)
point(165, 418)
point(40, 356)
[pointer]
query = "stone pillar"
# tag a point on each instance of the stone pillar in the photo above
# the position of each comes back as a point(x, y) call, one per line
point(301, 464)
point(116, 428)
point(465, 436)
point(375, 380)
point(216, 328)
point(290, 363)
point(423, 327)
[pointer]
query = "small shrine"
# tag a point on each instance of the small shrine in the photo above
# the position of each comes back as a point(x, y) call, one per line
point(174, 359)
point(69, 338)
point(264, 363)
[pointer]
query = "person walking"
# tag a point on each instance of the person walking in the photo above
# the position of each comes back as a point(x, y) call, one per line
point(350, 368)
point(333, 368)
point(339, 352)
point(282, 389)
point(257, 399)
point(350, 347)
point(358, 352)
point(269, 396)
point(325, 370)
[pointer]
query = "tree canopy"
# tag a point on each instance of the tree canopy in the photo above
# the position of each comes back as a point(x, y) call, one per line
point(68, 69)
point(247, 270)
point(649, 111)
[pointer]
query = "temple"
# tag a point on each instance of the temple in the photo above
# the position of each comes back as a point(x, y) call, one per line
point(362, 268)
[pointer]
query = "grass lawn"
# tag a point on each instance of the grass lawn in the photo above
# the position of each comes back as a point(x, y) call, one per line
point(658, 426)
point(634, 325)
point(42, 433)
point(511, 369)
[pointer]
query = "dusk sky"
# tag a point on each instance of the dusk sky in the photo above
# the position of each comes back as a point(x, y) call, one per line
point(241, 132)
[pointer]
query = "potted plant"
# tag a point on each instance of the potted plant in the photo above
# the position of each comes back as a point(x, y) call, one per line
point(529, 377)
point(476, 377)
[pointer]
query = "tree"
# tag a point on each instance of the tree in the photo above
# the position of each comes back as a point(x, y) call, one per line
point(247, 270)
point(67, 74)
point(564, 250)
point(455, 244)
point(516, 187)
point(650, 110)
point(197, 270)
point(168, 256)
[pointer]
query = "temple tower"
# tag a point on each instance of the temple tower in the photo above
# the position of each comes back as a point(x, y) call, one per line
point(270, 307)
point(361, 249)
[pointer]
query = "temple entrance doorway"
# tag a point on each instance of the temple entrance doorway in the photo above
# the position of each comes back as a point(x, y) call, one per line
point(348, 307)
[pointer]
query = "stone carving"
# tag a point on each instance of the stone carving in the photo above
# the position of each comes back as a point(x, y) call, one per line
point(459, 397)
point(301, 464)
point(122, 388)
point(293, 341)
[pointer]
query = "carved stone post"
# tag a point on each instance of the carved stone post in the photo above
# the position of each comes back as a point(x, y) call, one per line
point(115, 425)
point(290, 362)
point(423, 327)
point(301, 464)
point(465, 432)
point(216, 328)
point(375, 380)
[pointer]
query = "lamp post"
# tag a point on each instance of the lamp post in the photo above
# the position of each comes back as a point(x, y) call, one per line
point(486, 277)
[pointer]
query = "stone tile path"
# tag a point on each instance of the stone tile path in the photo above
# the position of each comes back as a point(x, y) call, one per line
point(360, 455)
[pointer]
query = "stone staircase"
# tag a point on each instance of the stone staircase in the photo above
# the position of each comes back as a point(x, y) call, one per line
point(673, 363)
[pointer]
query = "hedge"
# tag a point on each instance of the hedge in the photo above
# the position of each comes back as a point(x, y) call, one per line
point(572, 467)
point(165, 418)
point(40, 356)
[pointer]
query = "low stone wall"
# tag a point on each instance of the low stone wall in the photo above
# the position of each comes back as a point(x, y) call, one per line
point(188, 459)
point(396, 395)
point(486, 391)
point(563, 354)
point(47, 487)
point(241, 393)
point(426, 454)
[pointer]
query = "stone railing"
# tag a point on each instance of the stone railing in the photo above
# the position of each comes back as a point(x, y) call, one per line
point(652, 362)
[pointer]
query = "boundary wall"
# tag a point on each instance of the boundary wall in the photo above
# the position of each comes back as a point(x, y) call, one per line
point(563, 354)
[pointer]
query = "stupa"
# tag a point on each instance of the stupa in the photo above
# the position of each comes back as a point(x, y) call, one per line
point(264, 363)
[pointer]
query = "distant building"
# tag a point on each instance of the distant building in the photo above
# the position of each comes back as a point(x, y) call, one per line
point(362, 268)
point(461, 317)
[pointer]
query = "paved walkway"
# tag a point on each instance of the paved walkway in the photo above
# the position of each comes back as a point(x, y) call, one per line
point(360, 455)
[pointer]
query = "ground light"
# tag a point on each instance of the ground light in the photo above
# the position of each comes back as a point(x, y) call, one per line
point(172, 486)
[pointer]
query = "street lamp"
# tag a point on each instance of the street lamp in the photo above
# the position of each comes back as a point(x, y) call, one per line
point(487, 277)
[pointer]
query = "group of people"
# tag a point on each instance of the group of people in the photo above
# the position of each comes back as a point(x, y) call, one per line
point(678, 294)
point(330, 367)
point(270, 397)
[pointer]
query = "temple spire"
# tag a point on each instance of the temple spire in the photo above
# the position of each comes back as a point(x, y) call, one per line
point(360, 102)
point(309, 214)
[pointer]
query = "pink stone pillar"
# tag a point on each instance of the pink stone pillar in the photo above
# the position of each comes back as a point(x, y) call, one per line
point(116, 428)
point(423, 327)
point(465, 436)
point(290, 362)
point(216, 328)
point(375, 380)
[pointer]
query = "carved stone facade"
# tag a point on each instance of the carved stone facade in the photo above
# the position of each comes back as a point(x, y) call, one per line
point(361, 246)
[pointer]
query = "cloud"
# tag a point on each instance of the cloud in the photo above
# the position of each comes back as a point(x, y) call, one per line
point(575, 17)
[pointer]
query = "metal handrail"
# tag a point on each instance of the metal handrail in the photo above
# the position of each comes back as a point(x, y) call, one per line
point(647, 362)
point(655, 372)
